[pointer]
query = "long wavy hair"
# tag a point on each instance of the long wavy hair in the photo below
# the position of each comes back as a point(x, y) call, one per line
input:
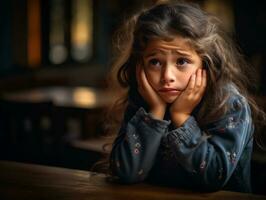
point(221, 58)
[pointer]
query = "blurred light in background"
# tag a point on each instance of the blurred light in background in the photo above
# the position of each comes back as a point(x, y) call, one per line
point(223, 10)
point(58, 50)
point(82, 30)
point(84, 97)
point(34, 33)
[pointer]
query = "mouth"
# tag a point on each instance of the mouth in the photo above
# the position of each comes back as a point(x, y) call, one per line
point(169, 91)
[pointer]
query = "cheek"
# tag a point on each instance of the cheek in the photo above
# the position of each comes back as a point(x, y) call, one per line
point(153, 78)
point(193, 71)
point(185, 80)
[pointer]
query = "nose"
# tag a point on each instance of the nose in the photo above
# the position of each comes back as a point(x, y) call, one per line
point(167, 75)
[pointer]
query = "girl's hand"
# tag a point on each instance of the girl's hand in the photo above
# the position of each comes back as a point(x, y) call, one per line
point(156, 104)
point(183, 106)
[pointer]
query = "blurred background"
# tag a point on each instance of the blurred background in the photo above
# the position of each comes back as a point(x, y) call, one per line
point(54, 57)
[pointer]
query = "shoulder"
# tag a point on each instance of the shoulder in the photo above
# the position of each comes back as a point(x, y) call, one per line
point(237, 117)
point(236, 101)
point(234, 107)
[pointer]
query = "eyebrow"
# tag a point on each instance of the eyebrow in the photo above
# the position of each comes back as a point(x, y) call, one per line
point(153, 53)
point(156, 51)
point(182, 53)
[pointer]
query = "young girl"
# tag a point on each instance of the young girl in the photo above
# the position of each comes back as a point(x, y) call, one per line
point(188, 118)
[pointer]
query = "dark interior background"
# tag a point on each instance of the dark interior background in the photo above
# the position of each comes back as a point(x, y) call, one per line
point(40, 49)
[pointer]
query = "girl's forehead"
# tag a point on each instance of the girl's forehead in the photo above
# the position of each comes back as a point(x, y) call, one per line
point(178, 44)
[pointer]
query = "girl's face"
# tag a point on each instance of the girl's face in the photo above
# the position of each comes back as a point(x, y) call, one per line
point(169, 66)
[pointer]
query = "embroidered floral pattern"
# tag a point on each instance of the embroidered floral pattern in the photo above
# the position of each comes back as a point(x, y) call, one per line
point(231, 156)
point(137, 145)
point(136, 151)
point(135, 136)
point(202, 165)
point(231, 123)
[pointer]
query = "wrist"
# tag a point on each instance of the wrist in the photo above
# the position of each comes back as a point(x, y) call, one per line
point(158, 113)
point(179, 119)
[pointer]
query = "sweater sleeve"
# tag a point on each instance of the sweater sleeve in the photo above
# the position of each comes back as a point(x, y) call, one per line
point(135, 148)
point(211, 154)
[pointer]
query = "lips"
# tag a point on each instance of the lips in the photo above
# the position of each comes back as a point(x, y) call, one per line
point(169, 91)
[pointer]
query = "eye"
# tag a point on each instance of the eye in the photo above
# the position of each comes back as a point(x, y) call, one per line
point(182, 61)
point(155, 63)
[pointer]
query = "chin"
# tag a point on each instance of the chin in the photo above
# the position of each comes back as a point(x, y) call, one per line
point(169, 100)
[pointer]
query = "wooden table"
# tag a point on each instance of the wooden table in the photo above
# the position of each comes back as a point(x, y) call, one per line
point(27, 181)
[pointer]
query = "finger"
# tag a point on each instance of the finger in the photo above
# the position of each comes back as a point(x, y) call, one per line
point(191, 83)
point(204, 81)
point(198, 79)
point(147, 87)
point(204, 78)
point(145, 81)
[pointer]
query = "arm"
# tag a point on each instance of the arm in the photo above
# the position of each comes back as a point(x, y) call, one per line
point(139, 138)
point(136, 146)
point(212, 155)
